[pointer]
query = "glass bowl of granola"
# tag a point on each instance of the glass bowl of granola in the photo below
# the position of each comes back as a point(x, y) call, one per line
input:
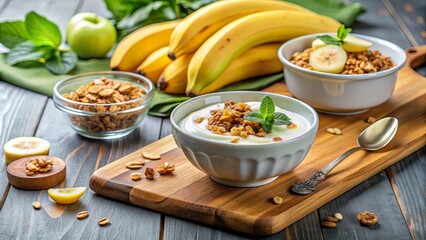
point(367, 78)
point(104, 105)
point(221, 136)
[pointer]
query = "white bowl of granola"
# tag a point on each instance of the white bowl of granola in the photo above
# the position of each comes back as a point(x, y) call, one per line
point(217, 140)
point(343, 94)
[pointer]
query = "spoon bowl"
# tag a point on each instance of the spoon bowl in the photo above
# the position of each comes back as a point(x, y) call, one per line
point(379, 134)
point(374, 137)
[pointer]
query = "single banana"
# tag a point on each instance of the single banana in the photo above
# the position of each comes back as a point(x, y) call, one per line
point(196, 28)
point(135, 47)
point(258, 61)
point(211, 59)
point(154, 64)
point(173, 78)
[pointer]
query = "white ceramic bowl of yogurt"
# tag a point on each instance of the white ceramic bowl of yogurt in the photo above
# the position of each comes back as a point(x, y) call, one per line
point(251, 162)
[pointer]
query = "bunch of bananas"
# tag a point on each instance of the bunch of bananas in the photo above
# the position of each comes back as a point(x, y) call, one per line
point(219, 44)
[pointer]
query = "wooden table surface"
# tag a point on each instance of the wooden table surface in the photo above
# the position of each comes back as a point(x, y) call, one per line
point(397, 195)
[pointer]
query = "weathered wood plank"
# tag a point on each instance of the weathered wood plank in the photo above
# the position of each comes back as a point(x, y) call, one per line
point(374, 195)
point(3, 5)
point(378, 22)
point(82, 156)
point(15, 102)
point(29, 103)
point(408, 180)
point(410, 15)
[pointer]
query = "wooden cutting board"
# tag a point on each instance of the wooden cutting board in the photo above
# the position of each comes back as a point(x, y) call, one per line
point(190, 194)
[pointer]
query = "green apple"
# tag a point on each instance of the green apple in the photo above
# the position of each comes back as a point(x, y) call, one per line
point(90, 35)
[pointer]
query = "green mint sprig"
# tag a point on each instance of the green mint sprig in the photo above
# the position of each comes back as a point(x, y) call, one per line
point(342, 33)
point(267, 117)
point(36, 40)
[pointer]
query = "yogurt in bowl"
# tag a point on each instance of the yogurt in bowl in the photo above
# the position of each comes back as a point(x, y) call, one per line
point(251, 161)
point(196, 124)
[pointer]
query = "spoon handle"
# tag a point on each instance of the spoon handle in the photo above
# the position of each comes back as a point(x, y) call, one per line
point(336, 161)
point(308, 186)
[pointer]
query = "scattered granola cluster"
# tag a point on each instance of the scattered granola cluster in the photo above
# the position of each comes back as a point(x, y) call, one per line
point(39, 164)
point(356, 63)
point(231, 119)
point(104, 91)
point(164, 169)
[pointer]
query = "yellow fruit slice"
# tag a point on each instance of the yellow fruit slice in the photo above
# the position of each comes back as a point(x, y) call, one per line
point(330, 59)
point(66, 195)
point(317, 43)
point(354, 44)
point(350, 44)
point(24, 147)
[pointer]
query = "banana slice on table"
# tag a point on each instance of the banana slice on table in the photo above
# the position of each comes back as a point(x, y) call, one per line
point(66, 195)
point(24, 147)
point(330, 59)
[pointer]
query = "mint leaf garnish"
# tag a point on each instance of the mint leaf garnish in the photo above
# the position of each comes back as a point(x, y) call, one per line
point(267, 117)
point(329, 40)
point(281, 119)
point(342, 33)
point(253, 117)
point(267, 107)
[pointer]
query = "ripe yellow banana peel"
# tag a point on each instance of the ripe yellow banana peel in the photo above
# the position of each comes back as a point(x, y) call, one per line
point(196, 28)
point(135, 47)
point(154, 64)
point(173, 78)
point(258, 61)
point(215, 55)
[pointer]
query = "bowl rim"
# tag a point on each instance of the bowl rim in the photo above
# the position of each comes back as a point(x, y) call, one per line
point(339, 76)
point(312, 127)
point(148, 95)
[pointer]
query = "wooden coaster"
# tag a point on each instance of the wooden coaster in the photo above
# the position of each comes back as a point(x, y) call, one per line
point(39, 181)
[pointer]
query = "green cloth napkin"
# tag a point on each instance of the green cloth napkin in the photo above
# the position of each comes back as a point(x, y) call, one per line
point(39, 79)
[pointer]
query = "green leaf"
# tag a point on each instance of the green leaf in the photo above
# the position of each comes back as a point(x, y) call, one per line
point(24, 52)
point(123, 8)
point(340, 10)
point(329, 40)
point(140, 15)
point(267, 126)
point(12, 33)
point(281, 119)
point(342, 32)
point(41, 31)
point(61, 62)
point(267, 107)
point(253, 117)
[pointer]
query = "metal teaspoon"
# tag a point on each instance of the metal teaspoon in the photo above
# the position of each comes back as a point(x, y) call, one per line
point(374, 137)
